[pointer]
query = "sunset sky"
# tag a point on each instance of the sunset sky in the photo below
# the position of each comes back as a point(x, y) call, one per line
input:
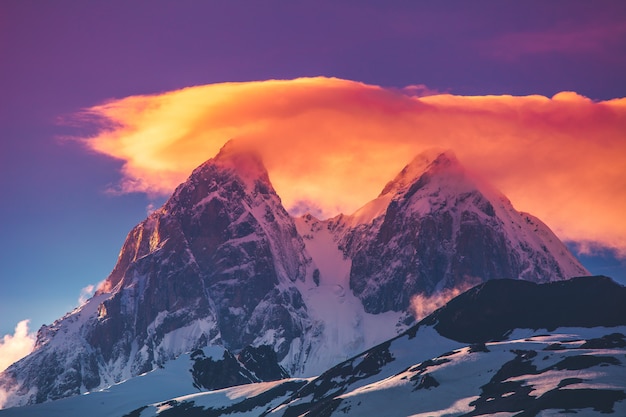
point(106, 106)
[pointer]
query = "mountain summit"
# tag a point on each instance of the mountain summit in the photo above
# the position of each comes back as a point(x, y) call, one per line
point(222, 264)
point(441, 228)
point(214, 266)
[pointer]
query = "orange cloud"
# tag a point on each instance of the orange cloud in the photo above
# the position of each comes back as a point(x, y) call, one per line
point(337, 142)
point(422, 305)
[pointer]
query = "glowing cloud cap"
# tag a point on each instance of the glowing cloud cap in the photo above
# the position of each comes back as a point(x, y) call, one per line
point(330, 145)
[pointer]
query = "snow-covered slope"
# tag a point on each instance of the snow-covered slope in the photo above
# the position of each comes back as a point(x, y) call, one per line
point(343, 327)
point(566, 370)
point(223, 264)
point(511, 311)
point(185, 376)
point(537, 352)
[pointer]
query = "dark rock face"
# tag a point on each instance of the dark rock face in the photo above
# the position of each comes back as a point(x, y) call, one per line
point(319, 397)
point(217, 259)
point(213, 374)
point(417, 259)
point(415, 255)
point(207, 253)
point(613, 340)
point(262, 362)
point(61, 378)
point(491, 310)
point(500, 395)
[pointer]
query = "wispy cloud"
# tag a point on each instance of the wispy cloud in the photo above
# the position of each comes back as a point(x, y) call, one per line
point(14, 347)
point(150, 208)
point(337, 142)
point(566, 39)
point(422, 305)
point(420, 90)
point(86, 293)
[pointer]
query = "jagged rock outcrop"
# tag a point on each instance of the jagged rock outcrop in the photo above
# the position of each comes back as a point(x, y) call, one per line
point(211, 372)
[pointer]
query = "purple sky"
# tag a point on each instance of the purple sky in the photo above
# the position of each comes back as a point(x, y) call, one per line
point(59, 230)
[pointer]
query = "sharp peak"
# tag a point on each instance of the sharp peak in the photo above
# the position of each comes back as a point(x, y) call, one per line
point(234, 153)
point(242, 158)
point(235, 147)
point(431, 160)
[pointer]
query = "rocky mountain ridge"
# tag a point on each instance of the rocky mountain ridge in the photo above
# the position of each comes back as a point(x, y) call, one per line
point(530, 349)
point(223, 264)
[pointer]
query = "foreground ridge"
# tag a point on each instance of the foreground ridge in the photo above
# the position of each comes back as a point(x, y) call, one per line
point(563, 359)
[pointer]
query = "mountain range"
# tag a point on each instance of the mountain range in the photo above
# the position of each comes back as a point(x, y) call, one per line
point(223, 279)
point(503, 348)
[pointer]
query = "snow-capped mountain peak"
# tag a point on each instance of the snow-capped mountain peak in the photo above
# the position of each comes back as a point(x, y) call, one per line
point(430, 160)
point(437, 227)
point(214, 266)
point(244, 161)
point(223, 264)
point(405, 178)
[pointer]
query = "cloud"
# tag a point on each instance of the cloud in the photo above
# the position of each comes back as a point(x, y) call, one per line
point(420, 90)
point(14, 347)
point(86, 293)
point(422, 305)
point(150, 208)
point(337, 143)
point(569, 39)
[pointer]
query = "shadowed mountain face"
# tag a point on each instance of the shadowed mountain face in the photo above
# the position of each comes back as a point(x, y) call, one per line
point(218, 251)
point(216, 265)
point(492, 310)
point(223, 264)
point(444, 229)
